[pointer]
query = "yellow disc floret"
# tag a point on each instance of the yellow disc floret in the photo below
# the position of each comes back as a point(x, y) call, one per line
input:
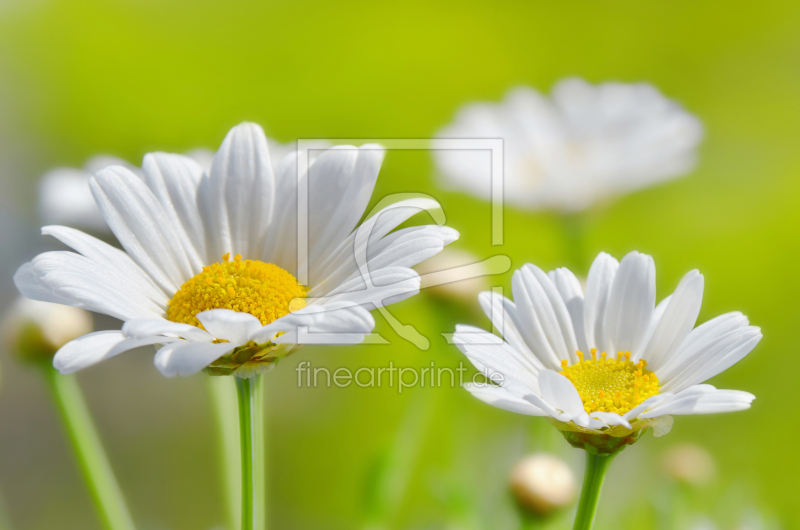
point(264, 290)
point(611, 385)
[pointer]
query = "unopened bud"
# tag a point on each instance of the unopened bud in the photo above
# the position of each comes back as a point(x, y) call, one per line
point(690, 464)
point(36, 330)
point(543, 483)
point(446, 271)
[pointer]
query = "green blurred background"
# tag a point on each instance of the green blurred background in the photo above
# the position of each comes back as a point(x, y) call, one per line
point(79, 78)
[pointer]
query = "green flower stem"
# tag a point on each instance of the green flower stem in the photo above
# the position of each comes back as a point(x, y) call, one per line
point(596, 468)
point(89, 451)
point(572, 230)
point(251, 434)
point(222, 392)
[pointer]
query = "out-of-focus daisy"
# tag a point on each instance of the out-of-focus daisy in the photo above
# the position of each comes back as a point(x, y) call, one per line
point(543, 483)
point(606, 361)
point(206, 273)
point(65, 197)
point(583, 144)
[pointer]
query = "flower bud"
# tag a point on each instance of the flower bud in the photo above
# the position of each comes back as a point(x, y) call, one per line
point(36, 330)
point(543, 483)
point(690, 464)
point(446, 270)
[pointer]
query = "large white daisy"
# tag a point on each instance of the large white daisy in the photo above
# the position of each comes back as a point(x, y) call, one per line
point(583, 144)
point(209, 268)
point(606, 360)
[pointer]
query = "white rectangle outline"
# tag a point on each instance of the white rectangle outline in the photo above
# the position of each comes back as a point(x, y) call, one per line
point(494, 145)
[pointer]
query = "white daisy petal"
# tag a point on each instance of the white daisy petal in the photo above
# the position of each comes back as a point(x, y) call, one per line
point(677, 321)
point(331, 323)
point(631, 303)
point(559, 392)
point(146, 328)
point(237, 198)
point(538, 323)
point(86, 284)
point(598, 290)
point(86, 351)
point(701, 399)
point(718, 357)
point(611, 419)
point(700, 339)
point(503, 399)
point(503, 314)
point(491, 355)
point(188, 358)
point(142, 226)
point(340, 183)
point(173, 179)
point(571, 292)
point(369, 233)
point(235, 327)
point(107, 256)
point(27, 284)
point(387, 286)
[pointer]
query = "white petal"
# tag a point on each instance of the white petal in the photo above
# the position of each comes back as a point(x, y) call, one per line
point(188, 358)
point(570, 290)
point(503, 314)
point(146, 328)
point(718, 357)
point(559, 392)
point(701, 339)
point(491, 355)
point(598, 290)
point(677, 321)
point(103, 254)
point(173, 179)
point(340, 184)
point(631, 303)
point(86, 351)
point(237, 198)
point(386, 286)
point(27, 284)
point(503, 399)
point(233, 326)
point(142, 226)
point(538, 323)
point(329, 323)
point(84, 283)
point(343, 258)
point(701, 399)
point(611, 419)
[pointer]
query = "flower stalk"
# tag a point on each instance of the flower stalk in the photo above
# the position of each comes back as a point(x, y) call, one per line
point(222, 392)
point(596, 467)
point(105, 491)
point(250, 394)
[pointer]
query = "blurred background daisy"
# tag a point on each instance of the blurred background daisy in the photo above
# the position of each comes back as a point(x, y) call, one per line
point(79, 78)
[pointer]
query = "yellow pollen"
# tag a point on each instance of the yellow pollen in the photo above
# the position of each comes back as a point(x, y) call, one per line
point(611, 385)
point(264, 290)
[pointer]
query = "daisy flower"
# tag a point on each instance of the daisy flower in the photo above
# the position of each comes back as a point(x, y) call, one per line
point(606, 363)
point(582, 145)
point(65, 197)
point(209, 256)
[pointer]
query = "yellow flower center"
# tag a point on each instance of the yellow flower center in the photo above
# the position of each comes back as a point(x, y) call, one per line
point(611, 385)
point(264, 290)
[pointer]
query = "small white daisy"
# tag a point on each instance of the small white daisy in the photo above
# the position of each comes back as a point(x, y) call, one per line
point(176, 285)
point(65, 197)
point(582, 145)
point(607, 360)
